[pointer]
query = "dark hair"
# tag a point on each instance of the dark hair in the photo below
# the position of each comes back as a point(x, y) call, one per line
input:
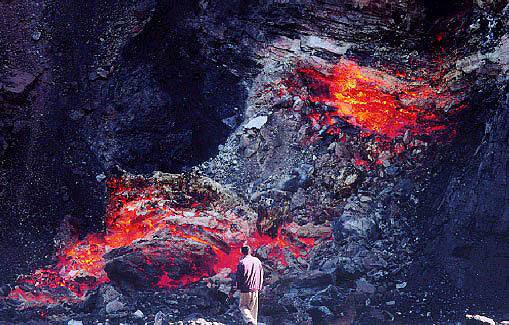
point(245, 250)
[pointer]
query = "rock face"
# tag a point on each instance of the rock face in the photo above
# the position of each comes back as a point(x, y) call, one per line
point(472, 214)
point(276, 101)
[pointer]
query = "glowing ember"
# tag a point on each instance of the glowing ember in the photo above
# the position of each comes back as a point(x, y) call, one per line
point(178, 235)
point(375, 101)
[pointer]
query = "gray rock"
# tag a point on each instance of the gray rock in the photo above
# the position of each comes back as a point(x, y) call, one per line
point(347, 270)
point(364, 286)
point(298, 199)
point(320, 314)
point(314, 42)
point(93, 76)
point(300, 177)
point(161, 318)
point(401, 285)
point(107, 294)
point(231, 122)
point(74, 322)
point(256, 123)
point(315, 278)
point(138, 314)
point(350, 179)
point(36, 35)
point(329, 297)
point(114, 307)
point(290, 183)
point(102, 73)
point(350, 224)
point(100, 177)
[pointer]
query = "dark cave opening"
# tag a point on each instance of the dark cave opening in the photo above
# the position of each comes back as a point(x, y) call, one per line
point(437, 9)
point(198, 102)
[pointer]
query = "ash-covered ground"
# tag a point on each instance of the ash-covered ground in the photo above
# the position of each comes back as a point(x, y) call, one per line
point(360, 146)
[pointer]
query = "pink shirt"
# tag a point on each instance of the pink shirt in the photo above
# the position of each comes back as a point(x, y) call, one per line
point(249, 274)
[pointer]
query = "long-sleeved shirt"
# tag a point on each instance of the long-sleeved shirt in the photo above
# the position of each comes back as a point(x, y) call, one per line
point(249, 274)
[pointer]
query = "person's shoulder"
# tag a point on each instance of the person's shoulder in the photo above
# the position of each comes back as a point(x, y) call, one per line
point(257, 260)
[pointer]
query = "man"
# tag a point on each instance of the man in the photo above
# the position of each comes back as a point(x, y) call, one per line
point(249, 281)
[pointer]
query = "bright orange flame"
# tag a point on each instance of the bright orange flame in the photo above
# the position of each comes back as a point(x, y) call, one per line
point(375, 101)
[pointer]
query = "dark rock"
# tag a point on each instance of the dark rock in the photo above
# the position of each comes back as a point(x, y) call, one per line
point(17, 82)
point(392, 170)
point(329, 297)
point(90, 304)
point(175, 257)
point(362, 286)
point(4, 290)
point(290, 183)
point(93, 76)
point(299, 178)
point(347, 271)
point(314, 278)
point(373, 316)
point(321, 315)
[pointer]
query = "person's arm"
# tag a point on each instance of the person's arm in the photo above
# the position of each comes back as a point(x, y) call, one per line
point(238, 278)
point(261, 276)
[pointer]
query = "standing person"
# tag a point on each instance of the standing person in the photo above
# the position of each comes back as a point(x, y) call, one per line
point(249, 281)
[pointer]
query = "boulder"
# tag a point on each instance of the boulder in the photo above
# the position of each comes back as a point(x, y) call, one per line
point(354, 225)
point(17, 82)
point(256, 123)
point(143, 264)
point(320, 315)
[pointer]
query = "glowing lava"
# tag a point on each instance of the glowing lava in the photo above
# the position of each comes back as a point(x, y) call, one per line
point(375, 101)
point(171, 226)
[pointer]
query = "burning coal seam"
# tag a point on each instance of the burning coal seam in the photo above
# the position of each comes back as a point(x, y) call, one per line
point(376, 102)
point(397, 111)
point(167, 231)
point(172, 230)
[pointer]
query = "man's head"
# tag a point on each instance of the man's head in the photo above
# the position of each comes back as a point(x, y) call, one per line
point(245, 250)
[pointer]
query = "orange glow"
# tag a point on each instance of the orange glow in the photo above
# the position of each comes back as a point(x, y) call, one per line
point(140, 211)
point(375, 101)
